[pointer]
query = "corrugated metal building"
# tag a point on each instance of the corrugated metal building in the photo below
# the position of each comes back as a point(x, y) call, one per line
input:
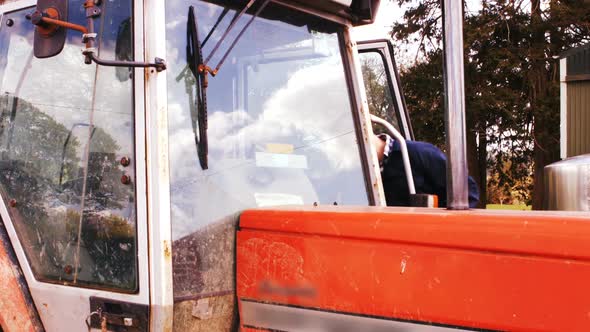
point(575, 101)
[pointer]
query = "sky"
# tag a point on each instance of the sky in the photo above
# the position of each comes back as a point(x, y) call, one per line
point(391, 12)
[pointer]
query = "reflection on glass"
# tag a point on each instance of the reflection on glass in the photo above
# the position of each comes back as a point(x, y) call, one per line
point(280, 131)
point(379, 97)
point(64, 126)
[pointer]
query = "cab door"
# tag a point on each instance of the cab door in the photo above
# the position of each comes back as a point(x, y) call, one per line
point(71, 160)
point(382, 84)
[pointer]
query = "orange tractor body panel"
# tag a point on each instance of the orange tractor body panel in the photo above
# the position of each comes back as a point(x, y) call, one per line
point(481, 269)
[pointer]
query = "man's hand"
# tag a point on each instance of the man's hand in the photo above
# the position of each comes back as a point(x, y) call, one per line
point(379, 145)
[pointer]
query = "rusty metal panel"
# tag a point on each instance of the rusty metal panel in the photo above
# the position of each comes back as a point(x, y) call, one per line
point(204, 275)
point(578, 118)
point(17, 311)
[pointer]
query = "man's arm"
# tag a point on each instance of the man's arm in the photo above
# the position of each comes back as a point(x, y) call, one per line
point(433, 162)
point(473, 193)
point(429, 162)
point(435, 166)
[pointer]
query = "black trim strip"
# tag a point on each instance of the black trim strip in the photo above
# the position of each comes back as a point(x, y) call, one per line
point(202, 296)
point(257, 328)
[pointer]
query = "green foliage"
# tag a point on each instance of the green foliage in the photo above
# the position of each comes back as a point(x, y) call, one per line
point(377, 88)
point(511, 81)
point(423, 90)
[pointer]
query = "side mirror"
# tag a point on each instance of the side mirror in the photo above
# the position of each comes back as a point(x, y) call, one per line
point(49, 38)
point(365, 11)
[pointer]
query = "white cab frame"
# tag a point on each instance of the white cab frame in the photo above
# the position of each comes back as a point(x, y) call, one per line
point(62, 307)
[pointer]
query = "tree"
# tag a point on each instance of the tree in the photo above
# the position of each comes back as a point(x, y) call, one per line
point(378, 95)
point(375, 78)
point(511, 84)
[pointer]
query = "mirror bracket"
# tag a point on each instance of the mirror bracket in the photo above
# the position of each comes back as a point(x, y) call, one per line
point(49, 22)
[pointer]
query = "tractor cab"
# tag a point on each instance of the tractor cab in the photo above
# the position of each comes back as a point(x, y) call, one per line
point(133, 135)
point(205, 165)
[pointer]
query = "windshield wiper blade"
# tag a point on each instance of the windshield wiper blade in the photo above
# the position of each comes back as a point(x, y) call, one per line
point(195, 57)
point(199, 68)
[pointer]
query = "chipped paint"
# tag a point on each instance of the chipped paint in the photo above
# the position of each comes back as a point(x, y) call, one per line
point(403, 266)
point(223, 315)
point(163, 141)
point(146, 75)
point(201, 309)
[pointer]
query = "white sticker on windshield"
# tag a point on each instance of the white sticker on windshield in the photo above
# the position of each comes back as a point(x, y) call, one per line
point(274, 199)
point(276, 160)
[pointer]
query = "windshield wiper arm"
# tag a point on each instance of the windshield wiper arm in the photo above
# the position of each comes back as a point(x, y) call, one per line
point(203, 66)
point(219, 19)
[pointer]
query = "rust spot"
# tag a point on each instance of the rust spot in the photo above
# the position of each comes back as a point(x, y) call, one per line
point(125, 161)
point(48, 30)
point(167, 251)
point(45, 305)
point(12, 203)
point(125, 179)
point(68, 269)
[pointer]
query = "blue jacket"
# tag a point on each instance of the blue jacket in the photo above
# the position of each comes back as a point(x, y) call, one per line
point(429, 167)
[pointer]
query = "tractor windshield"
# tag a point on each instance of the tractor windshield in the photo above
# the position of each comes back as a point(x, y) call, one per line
point(280, 131)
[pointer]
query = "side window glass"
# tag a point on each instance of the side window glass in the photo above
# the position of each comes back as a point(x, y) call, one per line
point(375, 77)
point(65, 128)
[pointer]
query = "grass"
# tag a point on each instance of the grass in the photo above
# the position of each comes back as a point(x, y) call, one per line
point(508, 207)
